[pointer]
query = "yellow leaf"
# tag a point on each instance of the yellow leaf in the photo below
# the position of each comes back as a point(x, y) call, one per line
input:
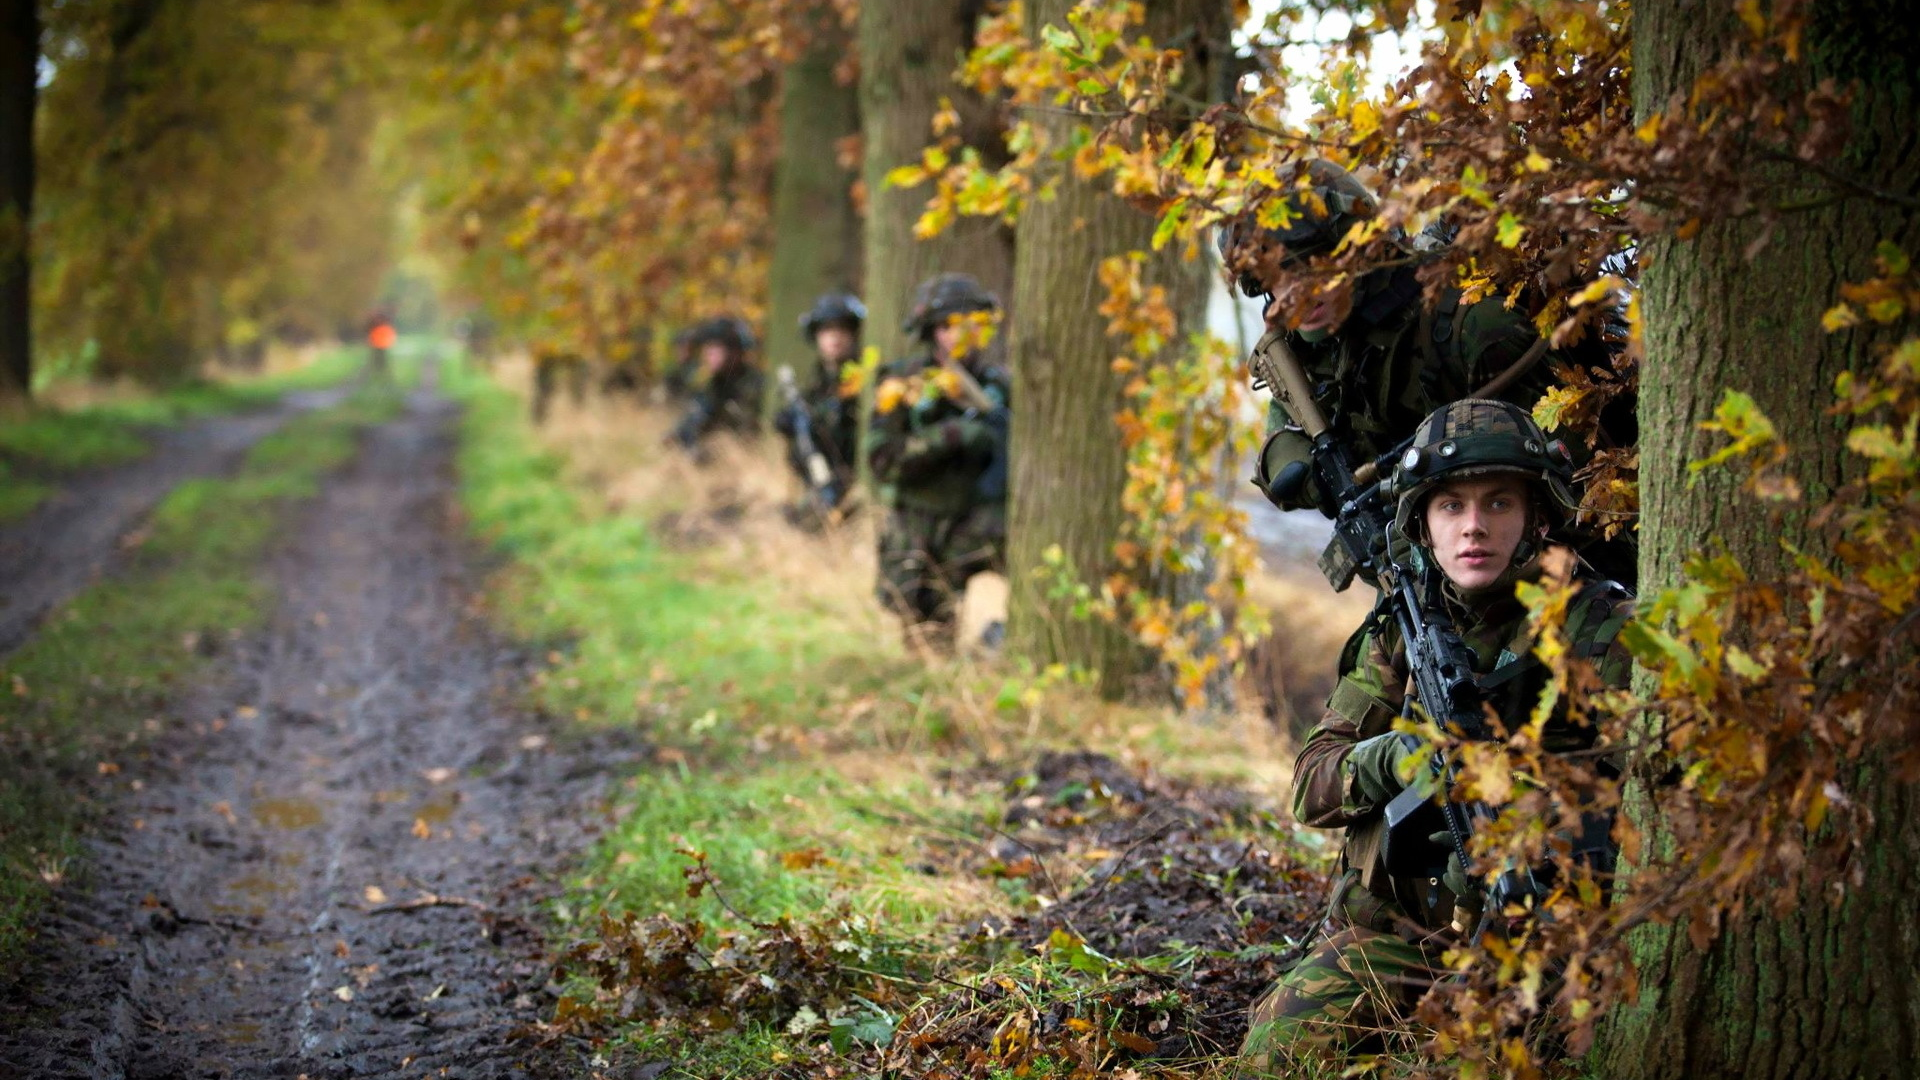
point(1538, 162)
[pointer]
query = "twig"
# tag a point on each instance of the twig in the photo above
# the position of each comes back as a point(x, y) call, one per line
point(427, 901)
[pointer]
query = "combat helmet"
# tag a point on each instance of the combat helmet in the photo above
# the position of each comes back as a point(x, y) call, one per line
point(1478, 437)
point(943, 296)
point(1309, 231)
point(728, 330)
point(835, 308)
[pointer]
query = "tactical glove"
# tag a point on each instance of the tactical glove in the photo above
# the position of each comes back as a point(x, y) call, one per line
point(1372, 776)
point(1455, 878)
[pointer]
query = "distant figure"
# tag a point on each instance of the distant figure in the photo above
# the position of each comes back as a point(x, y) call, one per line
point(822, 429)
point(554, 364)
point(724, 386)
point(380, 338)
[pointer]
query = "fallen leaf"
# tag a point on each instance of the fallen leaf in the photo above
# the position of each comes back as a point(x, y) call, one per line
point(437, 775)
point(534, 742)
point(375, 894)
point(421, 829)
point(246, 712)
point(340, 948)
point(225, 810)
point(344, 993)
point(107, 768)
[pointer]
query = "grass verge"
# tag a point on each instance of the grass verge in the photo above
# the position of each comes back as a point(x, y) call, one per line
point(848, 856)
point(78, 697)
point(52, 441)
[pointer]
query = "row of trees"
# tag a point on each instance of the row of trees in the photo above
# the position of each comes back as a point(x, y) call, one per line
point(198, 177)
point(600, 172)
point(1078, 161)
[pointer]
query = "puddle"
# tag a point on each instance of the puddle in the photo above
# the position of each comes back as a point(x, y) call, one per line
point(259, 886)
point(437, 810)
point(288, 813)
point(242, 1034)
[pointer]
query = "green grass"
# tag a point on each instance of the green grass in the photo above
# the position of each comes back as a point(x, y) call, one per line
point(77, 695)
point(109, 434)
point(708, 662)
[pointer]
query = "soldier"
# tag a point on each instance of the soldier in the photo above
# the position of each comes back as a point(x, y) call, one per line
point(555, 365)
point(938, 444)
point(1478, 497)
point(831, 427)
point(724, 387)
point(1391, 359)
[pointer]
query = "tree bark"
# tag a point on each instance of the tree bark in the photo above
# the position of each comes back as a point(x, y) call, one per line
point(1068, 464)
point(908, 53)
point(1827, 990)
point(816, 230)
point(19, 91)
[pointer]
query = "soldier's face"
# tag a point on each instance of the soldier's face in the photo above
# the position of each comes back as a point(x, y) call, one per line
point(945, 337)
point(714, 355)
point(1476, 525)
point(835, 344)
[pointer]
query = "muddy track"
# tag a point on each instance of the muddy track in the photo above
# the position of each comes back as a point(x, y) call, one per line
point(54, 552)
point(330, 865)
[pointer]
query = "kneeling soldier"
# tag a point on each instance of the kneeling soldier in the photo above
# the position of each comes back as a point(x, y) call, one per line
point(1477, 497)
point(938, 444)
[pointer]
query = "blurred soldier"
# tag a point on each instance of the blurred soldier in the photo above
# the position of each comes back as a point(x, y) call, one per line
point(821, 427)
point(1478, 495)
point(380, 338)
point(938, 445)
point(724, 387)
point(555, 365)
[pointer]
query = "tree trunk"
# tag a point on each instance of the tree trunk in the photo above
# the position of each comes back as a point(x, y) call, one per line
point(1826, 991)
point(816, 231)
point(19, 87)
point(1068, 464)
point(908, 53)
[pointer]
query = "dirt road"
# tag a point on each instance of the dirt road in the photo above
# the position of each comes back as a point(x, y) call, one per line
point(52, 553)
point(326, 868)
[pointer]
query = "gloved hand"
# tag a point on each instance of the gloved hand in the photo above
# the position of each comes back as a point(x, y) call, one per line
point(1372, 776)
point(1455, 879)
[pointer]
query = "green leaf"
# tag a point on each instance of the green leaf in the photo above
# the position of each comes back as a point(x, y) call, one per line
point(1169, 223)
point(1510, 231)
point(1892, 260)
point(1090, 87)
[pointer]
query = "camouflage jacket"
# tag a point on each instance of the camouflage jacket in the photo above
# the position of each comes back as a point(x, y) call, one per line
point(728, 398)
point(1394, 362)
point(1373, 687)
point(936, 455)
point(834, 423)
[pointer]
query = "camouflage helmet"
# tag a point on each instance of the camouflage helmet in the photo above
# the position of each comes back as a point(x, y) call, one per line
point(1310, 230)
point(729, 330)
point(943, 296)
point(835, 308)
point(1478, 437)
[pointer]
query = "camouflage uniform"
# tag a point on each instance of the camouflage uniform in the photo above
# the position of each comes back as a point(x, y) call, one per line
point(941, 466)
point(552, 367)
point(832, 421)
point(1387, 932)
point(946, 515)
point(835, 425)
point(727, 397)
point(1393, 362)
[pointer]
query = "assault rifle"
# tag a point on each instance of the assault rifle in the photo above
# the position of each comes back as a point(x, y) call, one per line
point(823, 488)
point(1442, 665)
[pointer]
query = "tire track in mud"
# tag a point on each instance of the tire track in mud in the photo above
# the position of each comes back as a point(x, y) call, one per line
point(261, 912)
point(51, 554)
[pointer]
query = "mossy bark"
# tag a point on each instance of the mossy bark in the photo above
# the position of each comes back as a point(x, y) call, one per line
point(908, 54)
point(19, 90)
point(1828, 989)
point(1068, 464)
point(816, 230)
